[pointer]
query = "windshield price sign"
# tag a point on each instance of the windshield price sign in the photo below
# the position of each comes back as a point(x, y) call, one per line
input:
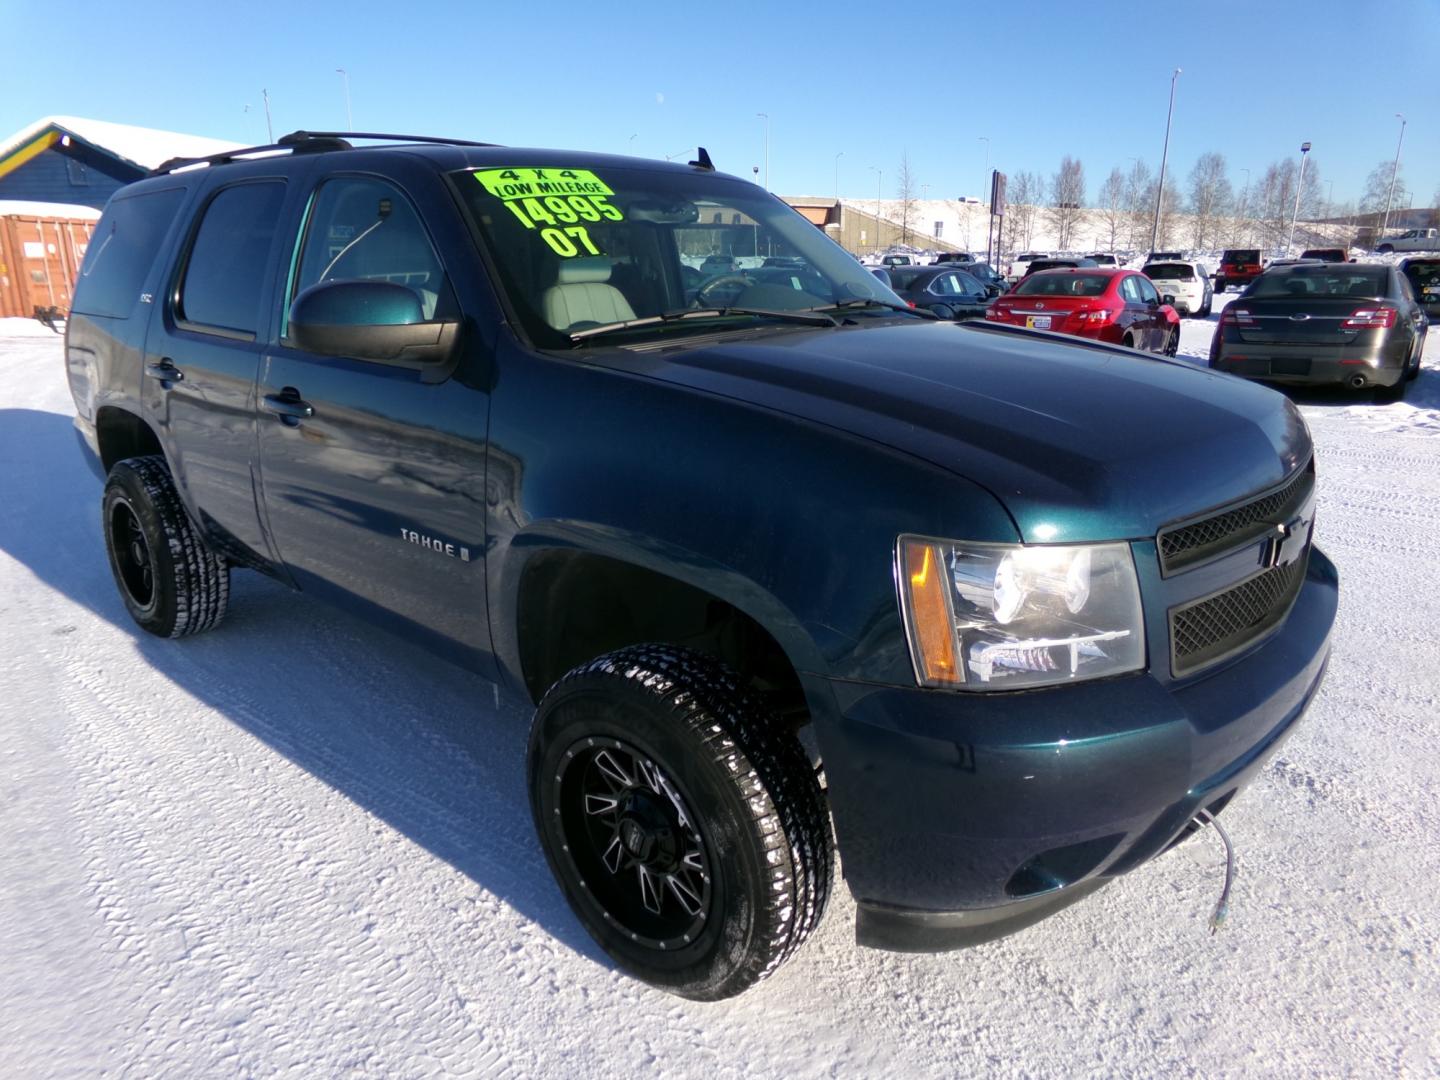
point(556, 202)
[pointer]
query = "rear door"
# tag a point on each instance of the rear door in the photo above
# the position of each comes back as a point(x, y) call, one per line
point(203, 353)
point(373, 473)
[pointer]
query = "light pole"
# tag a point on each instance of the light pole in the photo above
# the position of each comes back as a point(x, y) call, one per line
point(1300, 183)
point(345, 78)
point(837, 174)
point(1164, 156)
point(269, 130)
point(1394, 172)
point(879, 175)
point(766, 118)
point(1241, 231)
point(985, 176)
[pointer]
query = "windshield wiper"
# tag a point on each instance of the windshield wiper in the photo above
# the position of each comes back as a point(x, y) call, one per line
point(809, 316)
point(906, 308)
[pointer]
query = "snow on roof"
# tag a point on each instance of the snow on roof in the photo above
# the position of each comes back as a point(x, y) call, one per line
point(27, 208)
point(144, 147)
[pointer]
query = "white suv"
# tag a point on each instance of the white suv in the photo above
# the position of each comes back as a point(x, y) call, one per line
point(1188, 282)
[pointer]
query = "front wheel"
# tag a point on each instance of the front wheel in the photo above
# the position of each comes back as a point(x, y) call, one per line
point(683, 822)
point(1172, 343)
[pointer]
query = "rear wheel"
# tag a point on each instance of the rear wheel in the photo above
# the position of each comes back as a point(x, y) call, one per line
point(1207, 307)
point(171, 583)
point(942, 311)
point(1414, 371)
point(1384, 249)
point(683, 822)
point(1128, 341)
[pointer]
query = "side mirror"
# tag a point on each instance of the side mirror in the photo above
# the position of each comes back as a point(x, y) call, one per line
point(992, 290)
point(1167, 299)
point(370, 320)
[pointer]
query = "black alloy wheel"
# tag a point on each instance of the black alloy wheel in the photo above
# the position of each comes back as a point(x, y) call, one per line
point(1172, 343)
point(171, 583)
point(683, 822)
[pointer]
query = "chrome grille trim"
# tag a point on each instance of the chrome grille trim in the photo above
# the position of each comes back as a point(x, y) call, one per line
point(1187, 543)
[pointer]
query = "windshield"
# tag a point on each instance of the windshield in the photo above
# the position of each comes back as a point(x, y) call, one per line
point(1424, 275)
point(577, 249)
point(1043, 284)
point(1321, 280)
point(1169, 272)
point(1241, 255)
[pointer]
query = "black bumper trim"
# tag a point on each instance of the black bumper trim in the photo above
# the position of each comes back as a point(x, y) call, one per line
point(898, 929)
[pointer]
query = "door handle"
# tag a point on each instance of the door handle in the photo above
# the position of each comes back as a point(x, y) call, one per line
point(166, 372)
point(288, 406)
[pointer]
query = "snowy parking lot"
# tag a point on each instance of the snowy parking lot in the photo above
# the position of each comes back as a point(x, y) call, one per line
point(300, 847)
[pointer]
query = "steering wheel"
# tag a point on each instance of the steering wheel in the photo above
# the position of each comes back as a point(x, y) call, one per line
point(705, 295)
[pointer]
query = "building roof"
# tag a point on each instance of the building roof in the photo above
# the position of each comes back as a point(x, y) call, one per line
point(145, 148)
point(28, 208)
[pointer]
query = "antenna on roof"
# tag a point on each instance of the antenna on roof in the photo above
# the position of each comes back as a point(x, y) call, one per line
point(703, 161)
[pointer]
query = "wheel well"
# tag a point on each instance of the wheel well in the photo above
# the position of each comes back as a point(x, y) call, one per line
point(122, 435)
point(575, 606)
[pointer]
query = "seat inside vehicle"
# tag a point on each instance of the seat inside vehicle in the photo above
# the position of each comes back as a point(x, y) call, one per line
point(583, 296)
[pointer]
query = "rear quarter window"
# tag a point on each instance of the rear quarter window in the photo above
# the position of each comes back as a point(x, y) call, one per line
point(122, 252)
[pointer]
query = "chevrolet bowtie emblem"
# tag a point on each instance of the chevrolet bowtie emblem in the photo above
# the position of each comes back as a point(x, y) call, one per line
point(1283, 544)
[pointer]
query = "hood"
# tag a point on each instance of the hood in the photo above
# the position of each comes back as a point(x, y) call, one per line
point(1079, 443)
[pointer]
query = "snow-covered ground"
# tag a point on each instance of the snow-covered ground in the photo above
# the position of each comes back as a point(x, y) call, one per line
point(300, 847)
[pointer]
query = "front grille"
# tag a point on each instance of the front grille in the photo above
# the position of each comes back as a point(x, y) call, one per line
point(1209, 630)
point(1186, 544)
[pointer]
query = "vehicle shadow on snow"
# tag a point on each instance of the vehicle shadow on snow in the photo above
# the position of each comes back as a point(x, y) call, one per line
point(413, 740)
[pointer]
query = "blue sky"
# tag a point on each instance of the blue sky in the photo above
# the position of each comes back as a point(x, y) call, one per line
point(869, 82)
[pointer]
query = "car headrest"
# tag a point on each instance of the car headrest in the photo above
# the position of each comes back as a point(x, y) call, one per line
point(590, 268)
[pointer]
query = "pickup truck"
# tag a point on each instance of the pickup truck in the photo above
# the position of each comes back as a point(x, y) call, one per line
point(781, 563)
point(1413, 240)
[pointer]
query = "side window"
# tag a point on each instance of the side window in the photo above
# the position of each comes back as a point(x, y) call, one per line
point(1146, 291)
point(363, 229)
point(944, 285)
point(225, 270)
point(122, 252)
point(1128, 291)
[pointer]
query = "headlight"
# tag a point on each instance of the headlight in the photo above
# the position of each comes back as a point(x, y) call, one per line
point(1006, 616)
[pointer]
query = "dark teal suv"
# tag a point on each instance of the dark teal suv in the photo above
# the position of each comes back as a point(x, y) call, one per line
point(783, 564)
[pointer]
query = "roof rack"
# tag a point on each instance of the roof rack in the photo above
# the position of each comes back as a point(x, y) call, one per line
point(306, 142)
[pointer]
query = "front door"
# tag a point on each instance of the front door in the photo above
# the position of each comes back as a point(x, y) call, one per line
point(373, 476)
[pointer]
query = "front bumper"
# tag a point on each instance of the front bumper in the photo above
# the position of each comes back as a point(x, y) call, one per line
point(964, 817)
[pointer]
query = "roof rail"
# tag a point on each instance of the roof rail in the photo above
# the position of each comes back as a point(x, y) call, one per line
point(305, 142)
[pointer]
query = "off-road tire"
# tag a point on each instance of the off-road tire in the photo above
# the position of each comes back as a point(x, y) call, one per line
point(169, 580)
point(752, 798)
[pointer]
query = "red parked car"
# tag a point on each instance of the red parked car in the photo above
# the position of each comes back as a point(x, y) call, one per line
point(1117, 306)
point(1238, 266)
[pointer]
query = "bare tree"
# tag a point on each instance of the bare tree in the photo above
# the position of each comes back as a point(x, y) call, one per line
point(1020, 198)
point(1377, 186)
point(1067, 193)
point(1139, 204)
point(1210, 199)
point(1112, 207)
point(905, 192)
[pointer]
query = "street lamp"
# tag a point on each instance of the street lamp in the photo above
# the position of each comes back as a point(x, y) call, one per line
point(1394, 172)
point(1241, 231)
point(349, 119)
point(879, 175)
point(766, 118)
point(1300, 183)
point(985, 177)
point(837, 174)
point(1164, 156)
